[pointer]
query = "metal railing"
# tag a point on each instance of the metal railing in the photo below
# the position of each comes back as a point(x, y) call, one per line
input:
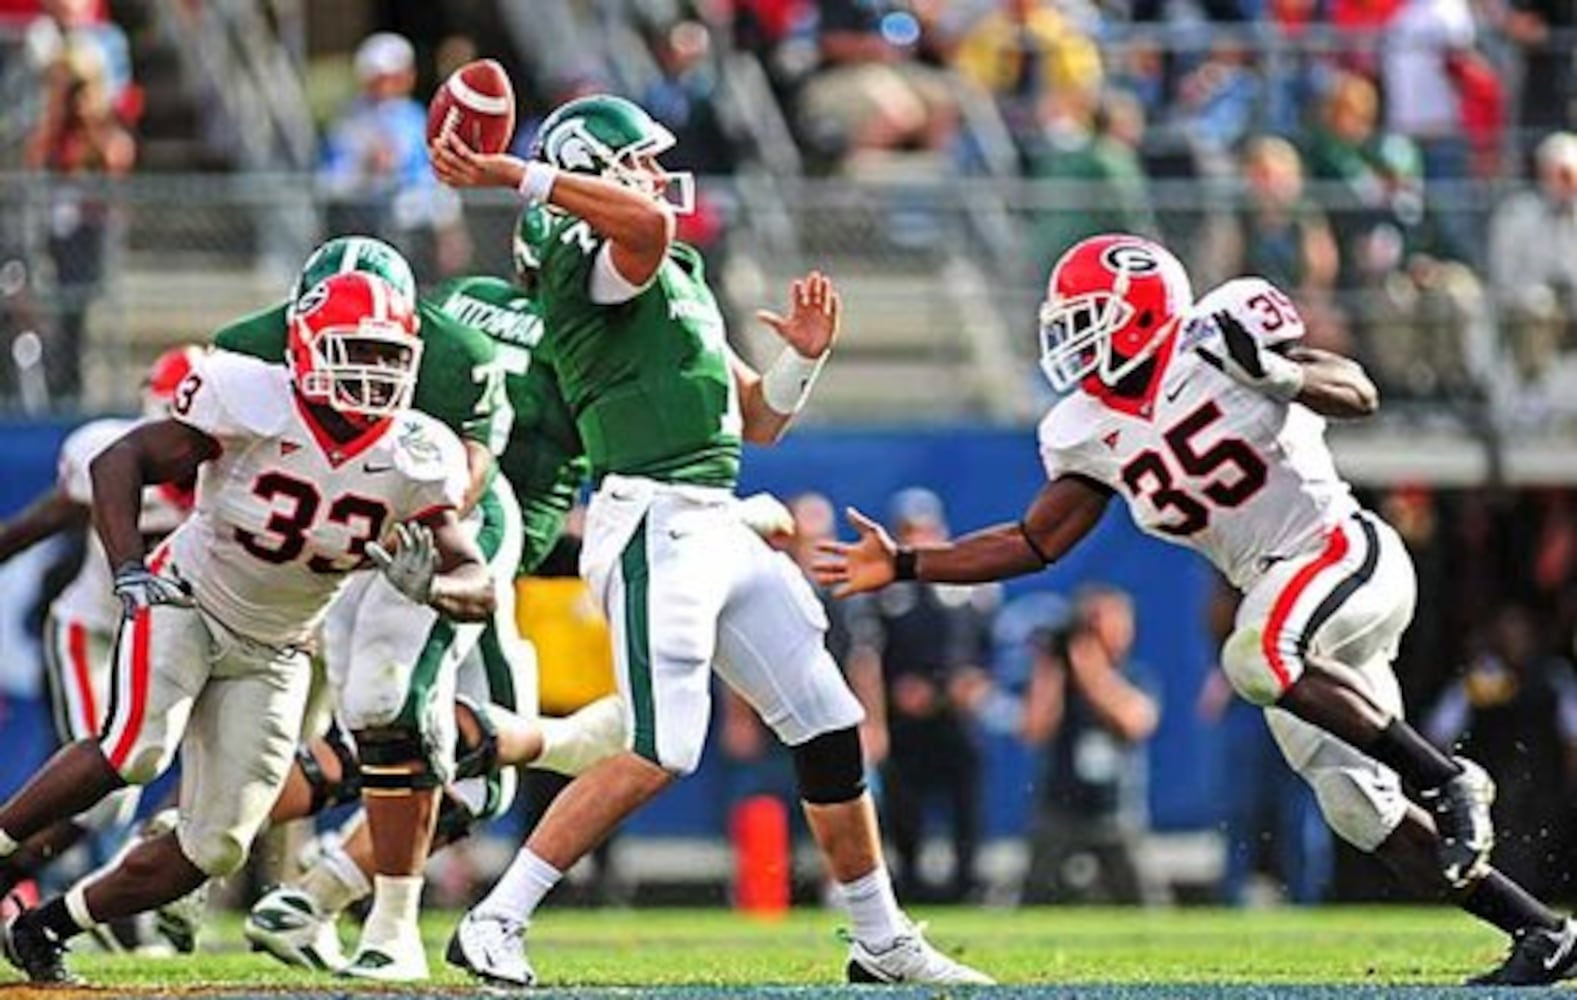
point(128, 267)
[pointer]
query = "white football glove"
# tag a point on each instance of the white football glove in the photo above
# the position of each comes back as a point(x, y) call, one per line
point(410, 567)
point(139, 588)
point(1248, 362)
point(765, 514)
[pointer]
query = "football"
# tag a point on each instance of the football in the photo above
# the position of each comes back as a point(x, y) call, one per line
point(477, 104)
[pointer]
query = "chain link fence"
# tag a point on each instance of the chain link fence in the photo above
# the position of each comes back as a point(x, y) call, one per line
point(942, 280)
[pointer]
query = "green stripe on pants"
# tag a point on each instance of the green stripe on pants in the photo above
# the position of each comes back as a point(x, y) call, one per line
point(637, 641)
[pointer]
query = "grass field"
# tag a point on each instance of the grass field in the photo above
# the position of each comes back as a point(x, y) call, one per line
point(1380, 953)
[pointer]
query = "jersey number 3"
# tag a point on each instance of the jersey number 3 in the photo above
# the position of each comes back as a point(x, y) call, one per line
point(287, 529)
point(1150, 475)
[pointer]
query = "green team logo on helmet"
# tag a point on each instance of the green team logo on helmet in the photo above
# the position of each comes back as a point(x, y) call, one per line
point(532, 230)
point(344, 254)
point(608, 136)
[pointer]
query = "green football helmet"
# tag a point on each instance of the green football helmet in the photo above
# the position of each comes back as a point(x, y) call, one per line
point(532, 230)
point(605, 136)
point(343, 254)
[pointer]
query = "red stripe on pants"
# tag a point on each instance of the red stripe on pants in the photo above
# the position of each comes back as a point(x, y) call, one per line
point(141, 626)
point(1335, 551)
point(77, 653)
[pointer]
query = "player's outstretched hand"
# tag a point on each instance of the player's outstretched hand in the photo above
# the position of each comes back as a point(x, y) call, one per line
point(139, 588)
point(410, 567)
point(857, 567)
point(815, 310)
point(1249, 363)
point(458, 165)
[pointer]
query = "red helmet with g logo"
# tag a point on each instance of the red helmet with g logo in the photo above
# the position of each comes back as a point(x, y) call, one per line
point(166, 373)
point(354, 346)
point(1111, 301)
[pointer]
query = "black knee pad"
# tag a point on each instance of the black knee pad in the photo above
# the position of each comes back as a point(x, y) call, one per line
point(326, 793)
point(472, 760)
point(829, 768)
point(385, 758)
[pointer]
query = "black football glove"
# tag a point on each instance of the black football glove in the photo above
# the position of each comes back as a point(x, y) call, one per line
point(1246, 361)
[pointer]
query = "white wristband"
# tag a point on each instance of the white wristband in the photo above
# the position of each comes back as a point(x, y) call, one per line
point(1283, 376)
point(537, 183)
point(788, 381)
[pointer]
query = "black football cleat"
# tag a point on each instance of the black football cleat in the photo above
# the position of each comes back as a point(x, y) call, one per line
point(35, 951)
point(1539, 957)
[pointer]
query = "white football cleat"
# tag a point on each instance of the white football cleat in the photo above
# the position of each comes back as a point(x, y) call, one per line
point(574, 743)
point(181, 920)
point(287, 924)
point(909, 959)
point(492, 947)
point(403, 961)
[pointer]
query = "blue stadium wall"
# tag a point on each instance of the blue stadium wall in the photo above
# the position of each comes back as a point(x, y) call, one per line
point(984, 475)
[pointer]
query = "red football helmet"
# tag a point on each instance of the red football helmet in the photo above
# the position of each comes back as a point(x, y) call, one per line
point(168, 371)
point(1111, 301)
point(354, 346)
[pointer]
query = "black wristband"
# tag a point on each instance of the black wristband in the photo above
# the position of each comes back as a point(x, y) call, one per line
point(906, 563)
point(1029, 539)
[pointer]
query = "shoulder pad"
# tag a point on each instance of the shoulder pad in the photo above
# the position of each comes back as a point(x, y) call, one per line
point(425, 449)
point(1265, 310)
point(255, 394)
point(1073, 421)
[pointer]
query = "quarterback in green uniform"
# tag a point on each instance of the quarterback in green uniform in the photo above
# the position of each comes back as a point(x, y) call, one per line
point(394, 666)
point(662, 404)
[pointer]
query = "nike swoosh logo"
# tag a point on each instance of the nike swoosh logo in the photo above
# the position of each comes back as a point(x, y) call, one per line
point(1177, 389)
point(373, 468)
point(1559, 956)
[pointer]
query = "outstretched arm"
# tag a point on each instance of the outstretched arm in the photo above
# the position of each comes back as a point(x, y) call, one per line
point(46, 516)
point(1334, 386)
point(1062, 513)
point(638, 228)
point(163, 451)
point(768, 401)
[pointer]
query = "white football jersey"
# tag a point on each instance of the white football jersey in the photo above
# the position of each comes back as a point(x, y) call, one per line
point(1206, 461)
point(90, 597)
point(284, 513)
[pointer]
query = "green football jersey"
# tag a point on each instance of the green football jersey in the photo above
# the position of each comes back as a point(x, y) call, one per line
point(457, 383)
point(648, 380)
point(543, 461)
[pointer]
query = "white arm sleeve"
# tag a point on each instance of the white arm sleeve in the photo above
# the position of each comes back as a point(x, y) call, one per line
point(608, 286)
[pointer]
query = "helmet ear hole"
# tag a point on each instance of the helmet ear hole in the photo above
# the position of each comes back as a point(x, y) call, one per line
point(1145, 319)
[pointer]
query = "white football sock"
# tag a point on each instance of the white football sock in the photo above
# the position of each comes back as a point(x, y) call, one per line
point(526, 881)
point(396, 902)
point(335, 882)
point(873, 909)
point(7, 845)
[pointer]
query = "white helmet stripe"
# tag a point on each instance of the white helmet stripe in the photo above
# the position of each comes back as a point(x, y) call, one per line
point(380, 299)
point(352, 256)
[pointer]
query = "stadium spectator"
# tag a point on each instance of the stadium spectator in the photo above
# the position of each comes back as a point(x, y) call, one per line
point(871, 93)
point(1367, 181)
point(1533, 264)
point(1036, 63)
point(1102, 183)
point(683, 97)
point(78, 140)
point(1515, 711)
point(63, 23)
point(1279, 234)
point(927, 644)
point(1269, 813)
point(1217, 101)
point(374, 164)
point(1424, 44)
point(1541, 30)
point(1092, 708)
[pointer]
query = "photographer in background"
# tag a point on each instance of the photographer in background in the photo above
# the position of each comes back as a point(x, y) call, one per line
point(1090, 706)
